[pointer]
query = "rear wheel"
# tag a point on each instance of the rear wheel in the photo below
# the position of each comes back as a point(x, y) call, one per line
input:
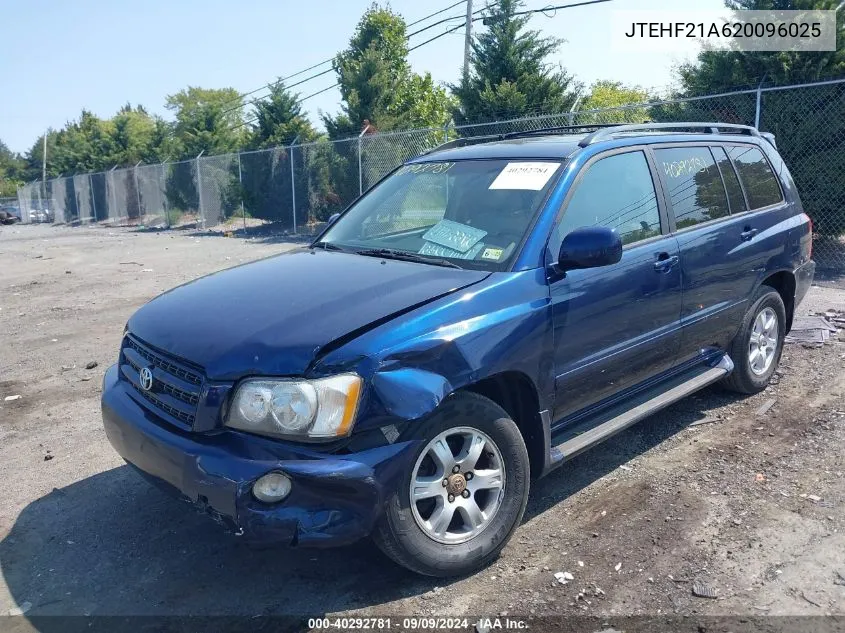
point(758, 345)
point(463, 495)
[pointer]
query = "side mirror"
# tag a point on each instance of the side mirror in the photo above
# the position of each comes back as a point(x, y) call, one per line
point(332, 219)
point(590, 247)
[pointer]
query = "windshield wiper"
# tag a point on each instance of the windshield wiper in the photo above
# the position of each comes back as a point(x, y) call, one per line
point(389, 253)
point(327, 246)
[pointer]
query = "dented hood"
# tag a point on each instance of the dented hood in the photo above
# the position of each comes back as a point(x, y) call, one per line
point(273, 316)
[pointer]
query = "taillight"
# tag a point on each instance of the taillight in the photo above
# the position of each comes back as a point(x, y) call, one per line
point(810, 222)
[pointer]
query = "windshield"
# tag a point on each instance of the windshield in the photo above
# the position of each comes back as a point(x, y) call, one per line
point(471, 213)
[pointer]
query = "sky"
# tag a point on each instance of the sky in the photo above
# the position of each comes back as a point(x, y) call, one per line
point(100, 54)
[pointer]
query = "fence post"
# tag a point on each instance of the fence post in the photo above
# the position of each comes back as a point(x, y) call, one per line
point(241, 191)
point(110, 180)
point(93, 197)
point(293, 182)
point(199, 188)
point(137, 187)
point(360, 167)
point(757, 109)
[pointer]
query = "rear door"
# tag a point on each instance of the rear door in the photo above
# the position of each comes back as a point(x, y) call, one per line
point(617, 325)
point(722, 243)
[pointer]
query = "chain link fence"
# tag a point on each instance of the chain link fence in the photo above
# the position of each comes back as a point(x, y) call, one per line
point(295, 188)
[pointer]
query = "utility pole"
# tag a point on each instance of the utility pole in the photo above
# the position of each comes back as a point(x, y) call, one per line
point(467, 39)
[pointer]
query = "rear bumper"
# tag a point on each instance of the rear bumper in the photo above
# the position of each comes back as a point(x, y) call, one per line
point(334, 499)
point(803, 280)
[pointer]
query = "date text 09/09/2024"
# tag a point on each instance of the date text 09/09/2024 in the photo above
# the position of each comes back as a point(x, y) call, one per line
point(417, 624)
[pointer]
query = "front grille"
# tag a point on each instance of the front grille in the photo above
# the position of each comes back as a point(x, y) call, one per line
point(163, 363)
point(176, 387)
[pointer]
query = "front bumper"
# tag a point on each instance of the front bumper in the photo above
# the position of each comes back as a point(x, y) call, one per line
point(335, 499)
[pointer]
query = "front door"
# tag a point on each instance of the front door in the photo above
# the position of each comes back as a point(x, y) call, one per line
point(618, 325)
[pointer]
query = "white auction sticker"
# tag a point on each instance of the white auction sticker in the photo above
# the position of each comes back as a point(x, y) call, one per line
point(533, 176)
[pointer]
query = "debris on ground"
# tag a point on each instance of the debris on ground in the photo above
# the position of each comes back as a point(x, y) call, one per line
point(11, 398)
point(764, 408)
point(707, 420)
point(810, 329)
point(839, 578)
point(760, 478)
point(48, 457)
point(563, 577)
point(91, 365)
point(618, 566)
point(703, 590)
point(814, 498)
point(68, 367)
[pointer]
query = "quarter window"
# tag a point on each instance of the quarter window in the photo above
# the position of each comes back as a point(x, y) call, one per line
point(615, 192)
point(735, 196)
point(761, 185)
point(693, 183)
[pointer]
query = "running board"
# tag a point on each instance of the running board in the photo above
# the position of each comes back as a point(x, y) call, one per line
point(677, 389)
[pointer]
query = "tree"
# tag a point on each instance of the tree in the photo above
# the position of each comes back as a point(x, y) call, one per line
point(208, 120)
point(136, 136)
point(509, 74)
point(613, 100)
point(11, 172)
point(721, 71)
point(376, 82)
point(279, 120)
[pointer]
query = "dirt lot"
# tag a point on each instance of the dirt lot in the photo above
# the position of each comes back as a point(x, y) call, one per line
point(749, 504)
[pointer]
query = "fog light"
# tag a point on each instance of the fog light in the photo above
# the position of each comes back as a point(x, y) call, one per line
point(272, 488)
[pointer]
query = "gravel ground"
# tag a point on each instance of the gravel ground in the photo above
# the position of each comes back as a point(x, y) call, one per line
point(710, 493)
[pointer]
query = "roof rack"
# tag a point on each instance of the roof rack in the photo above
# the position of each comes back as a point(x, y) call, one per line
point(463, 141)
point(707, 128)
point(557, 129)
point(473, 140)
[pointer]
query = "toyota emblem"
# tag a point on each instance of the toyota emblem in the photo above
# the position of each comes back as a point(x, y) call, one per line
point(146, 378)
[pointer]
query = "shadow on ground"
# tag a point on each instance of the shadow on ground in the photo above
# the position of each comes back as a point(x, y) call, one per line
point(271, 233)
point(113, 545)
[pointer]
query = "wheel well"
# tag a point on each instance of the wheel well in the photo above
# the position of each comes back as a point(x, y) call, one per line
point(784, 283)
point(515, 393)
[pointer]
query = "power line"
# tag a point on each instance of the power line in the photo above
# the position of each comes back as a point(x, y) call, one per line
point(273, 84)
point(428, 41)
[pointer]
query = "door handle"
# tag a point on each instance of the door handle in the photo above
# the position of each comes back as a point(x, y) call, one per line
point(748, 234)
point(665, 262)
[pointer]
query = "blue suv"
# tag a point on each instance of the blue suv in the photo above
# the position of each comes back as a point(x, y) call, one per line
point(484, 313)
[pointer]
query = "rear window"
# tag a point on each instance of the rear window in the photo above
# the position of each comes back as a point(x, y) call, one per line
point(761, 185)
point(694, 185)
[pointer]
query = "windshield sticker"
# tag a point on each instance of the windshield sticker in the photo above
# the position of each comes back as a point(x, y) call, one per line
point(454, 235)
point(425, 168)
point(492, 253)
point(533, 176)
point(435, 250)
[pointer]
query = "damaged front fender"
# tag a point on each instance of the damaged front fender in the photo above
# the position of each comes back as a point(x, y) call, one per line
point(499, 325)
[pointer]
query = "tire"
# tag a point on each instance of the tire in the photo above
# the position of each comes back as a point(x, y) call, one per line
point(748, 377)
point(409, 534)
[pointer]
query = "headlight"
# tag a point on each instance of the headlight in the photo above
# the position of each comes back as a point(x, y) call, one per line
point(304, 409)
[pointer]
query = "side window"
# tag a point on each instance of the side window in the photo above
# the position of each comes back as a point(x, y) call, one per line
point(735, 196)
point(761, 185)
point(694, 184)
point(616, 192)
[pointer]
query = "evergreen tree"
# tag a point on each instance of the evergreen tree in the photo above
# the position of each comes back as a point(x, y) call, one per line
point(509, 73)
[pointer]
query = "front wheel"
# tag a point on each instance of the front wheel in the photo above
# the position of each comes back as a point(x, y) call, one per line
point(463, 495)
point(758, 345)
